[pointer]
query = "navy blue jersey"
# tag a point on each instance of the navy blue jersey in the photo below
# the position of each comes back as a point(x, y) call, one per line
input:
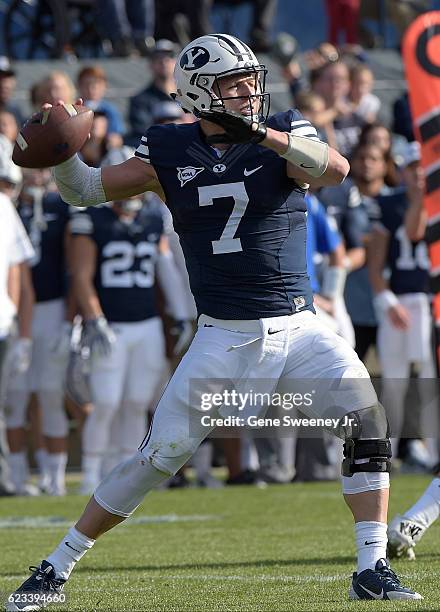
point(344, 204)
point(407, 261)
point(241, 221)
point(354, 214)
point(126, 256)
point(323, 237)
point(46, 232)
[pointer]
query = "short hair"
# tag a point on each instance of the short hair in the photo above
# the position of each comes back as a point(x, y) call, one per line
point(45, 81)
point(359, 68)
point(93, 71)
point(305, 99)
point(317, 73)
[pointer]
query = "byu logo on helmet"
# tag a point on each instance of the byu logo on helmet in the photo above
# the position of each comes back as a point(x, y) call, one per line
point(194, 58)
point(187, 174)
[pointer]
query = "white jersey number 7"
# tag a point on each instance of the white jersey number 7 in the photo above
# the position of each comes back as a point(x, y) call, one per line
point(227, 243)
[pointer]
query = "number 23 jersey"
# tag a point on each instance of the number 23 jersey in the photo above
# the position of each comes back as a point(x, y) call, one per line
point(241, 221)
point(126, 256)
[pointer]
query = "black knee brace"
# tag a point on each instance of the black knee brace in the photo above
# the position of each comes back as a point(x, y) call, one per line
point(378, 453)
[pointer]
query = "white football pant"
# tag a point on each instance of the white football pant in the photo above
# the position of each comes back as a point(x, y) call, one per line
point(122, 385)
point(397, 350)
point(288, 353)
point(45, 375)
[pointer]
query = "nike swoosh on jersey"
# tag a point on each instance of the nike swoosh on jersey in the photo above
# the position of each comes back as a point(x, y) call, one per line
point(368, 543)
point(249, 172)
point(373, 595)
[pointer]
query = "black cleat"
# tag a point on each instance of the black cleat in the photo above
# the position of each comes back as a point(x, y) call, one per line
point(380, 583)
point(39, 590)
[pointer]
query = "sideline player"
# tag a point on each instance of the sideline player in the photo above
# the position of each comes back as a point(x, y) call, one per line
point(118, 251)
point(45, 217)
point(239, 211)
point(406, 530)
point(402, 303)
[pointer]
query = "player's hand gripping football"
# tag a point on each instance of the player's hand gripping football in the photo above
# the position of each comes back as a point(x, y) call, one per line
point(238, 128)
point(53, 135)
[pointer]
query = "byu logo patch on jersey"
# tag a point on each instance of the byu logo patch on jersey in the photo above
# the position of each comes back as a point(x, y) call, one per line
point(187, 174)
point(219, 168)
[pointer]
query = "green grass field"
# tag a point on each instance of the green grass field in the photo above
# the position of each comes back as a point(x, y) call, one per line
point(240, 548)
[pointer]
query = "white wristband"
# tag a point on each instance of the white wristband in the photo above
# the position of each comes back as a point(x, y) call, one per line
point(79, 184)
point(333, 282)
point(308, 154)
point(384, 300)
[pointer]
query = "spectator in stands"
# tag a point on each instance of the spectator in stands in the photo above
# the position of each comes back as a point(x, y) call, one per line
point(171, 26)
point(379, 135)
point(7, 89)
point(332, 83)
point(8, 125)
point(365, 104)
point(263, 13)
point(128, 24)
point(343, 17)
point(92, 86)
point(96, 147)
point(312, 106)
point(401, 13)
point(57, 85)
point(163, 59)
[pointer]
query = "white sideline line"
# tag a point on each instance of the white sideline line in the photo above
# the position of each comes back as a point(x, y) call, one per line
point(216, 577)
point(49, 522)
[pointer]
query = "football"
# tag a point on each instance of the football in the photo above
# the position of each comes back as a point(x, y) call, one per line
point(52, 136)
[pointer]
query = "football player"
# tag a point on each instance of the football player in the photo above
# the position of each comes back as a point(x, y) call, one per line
point(16, 296)
point(402, 302)
point(45, 217)
point(406, 530)
point(118, 251)
point(235, 183)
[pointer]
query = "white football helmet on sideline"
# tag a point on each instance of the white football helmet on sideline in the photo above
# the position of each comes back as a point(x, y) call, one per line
point(211, 57)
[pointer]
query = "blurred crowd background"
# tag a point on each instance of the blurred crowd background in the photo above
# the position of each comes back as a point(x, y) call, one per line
point(339, 63)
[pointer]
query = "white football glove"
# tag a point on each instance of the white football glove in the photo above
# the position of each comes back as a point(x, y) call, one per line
point(20, 356)
point(98, 337)
point(183, 333)
point(60, 348)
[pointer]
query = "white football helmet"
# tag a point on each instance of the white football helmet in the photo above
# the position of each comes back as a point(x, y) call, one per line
point(209, 58)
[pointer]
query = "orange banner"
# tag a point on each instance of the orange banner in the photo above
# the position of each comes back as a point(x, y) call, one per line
point(421, 56)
